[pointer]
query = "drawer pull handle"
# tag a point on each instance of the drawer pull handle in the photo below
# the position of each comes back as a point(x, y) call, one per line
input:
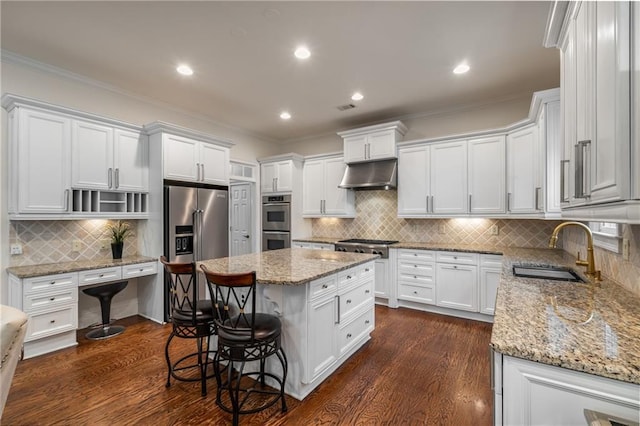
point(53, 321)
point(348, 301)
point(101, 275)
point(415, 277)
point(415, 266)
point(348, 277)
point(52, 282)
point(366, 269)
point(349, 336)
point(52, 299)
point(325, 286)
point(455, 257)
point(367, 292)
point(415, 254)
point(367, 322)
point(141, 269)
point(455, 267)
point(415, 292)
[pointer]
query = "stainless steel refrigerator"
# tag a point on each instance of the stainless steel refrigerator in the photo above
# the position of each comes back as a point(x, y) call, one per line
point(196, 226)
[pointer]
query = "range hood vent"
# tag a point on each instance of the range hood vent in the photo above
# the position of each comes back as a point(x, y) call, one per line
point(371, 175)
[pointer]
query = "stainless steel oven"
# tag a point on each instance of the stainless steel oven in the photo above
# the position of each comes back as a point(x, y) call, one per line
point(276, 213)
point(275, 240)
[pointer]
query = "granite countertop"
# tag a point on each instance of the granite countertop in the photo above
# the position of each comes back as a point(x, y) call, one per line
point(593, 329)
point(30, 271)
point(293, 266)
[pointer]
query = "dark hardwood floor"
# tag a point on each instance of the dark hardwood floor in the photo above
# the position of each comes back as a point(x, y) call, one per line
point(418, 368)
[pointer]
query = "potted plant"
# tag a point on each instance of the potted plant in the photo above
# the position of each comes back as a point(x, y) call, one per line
point(118, 232)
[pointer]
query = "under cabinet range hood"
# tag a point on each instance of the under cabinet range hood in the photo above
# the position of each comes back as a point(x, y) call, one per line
point(371, 175)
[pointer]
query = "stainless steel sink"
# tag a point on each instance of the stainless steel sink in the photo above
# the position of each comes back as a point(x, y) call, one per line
point(558, 273)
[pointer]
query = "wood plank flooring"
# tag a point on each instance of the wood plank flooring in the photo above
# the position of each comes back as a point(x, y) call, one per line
point(419, 368)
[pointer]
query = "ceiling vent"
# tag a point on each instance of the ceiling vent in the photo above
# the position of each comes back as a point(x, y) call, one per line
point(345, 107)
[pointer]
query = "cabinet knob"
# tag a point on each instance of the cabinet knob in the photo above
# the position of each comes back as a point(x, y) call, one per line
point(349, 336)
point(455, 267)
point(325, 286)
point(367, 322)
point(415, 254)
point(52, 321)
point(455, 257)
point(367, 292)
point(366, 269)
point(52, 282)
point(141, 269)
point(101, 275)
point(348, 277)
point(415, 292)
point(348, 301)
point(415, 277)
point(52, 299)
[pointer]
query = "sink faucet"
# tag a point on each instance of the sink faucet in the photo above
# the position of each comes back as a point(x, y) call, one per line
point(590, 263)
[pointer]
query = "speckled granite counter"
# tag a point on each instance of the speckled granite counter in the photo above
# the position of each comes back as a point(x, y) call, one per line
point(79, 265)
point(595, 330)
point(288, 266)
point(321, 240)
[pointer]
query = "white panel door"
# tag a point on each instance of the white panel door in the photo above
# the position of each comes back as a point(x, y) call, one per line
point(337, 201)
point(523, 165)
point(457, 286)
point(268, 173)
point(382, 279)
point(214, 164)
point(92, 156)
point(487, 175)
point(240, 219)
point(131, 161)
point(449, 178)
point(284, 176)
point(44, 155)
point(313, 187)
point(489, 282)
point(355, 148)
point(382, 145)
point(181, 159)
point(414, 181)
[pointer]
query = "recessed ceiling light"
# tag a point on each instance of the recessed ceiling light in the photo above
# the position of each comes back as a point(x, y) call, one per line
point(302, 52)
point(184, 69)
point(285, 115)
point(461, 69)
point(357, 96)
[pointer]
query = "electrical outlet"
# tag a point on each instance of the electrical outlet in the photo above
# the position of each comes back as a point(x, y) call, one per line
point(16, 248)
point(625, 248)
point(105, 244)
point(442, 228)
point(494, 230)
point(76, 246)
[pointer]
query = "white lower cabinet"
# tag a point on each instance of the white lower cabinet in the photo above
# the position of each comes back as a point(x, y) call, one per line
point(51, 303)
point(322, 350)
point(315, 246)
point(458, 282)
point(532, 393)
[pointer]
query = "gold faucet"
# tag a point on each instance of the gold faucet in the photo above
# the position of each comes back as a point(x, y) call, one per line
point(590, 263)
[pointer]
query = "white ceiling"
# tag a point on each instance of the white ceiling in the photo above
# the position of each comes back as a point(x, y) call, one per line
point(398, 54)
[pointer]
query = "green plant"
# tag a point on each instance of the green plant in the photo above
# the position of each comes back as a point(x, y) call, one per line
point(118, 231)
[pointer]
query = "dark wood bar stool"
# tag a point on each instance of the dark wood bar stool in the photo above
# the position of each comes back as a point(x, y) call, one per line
point(104, 293)
point(191, 319)
point(242, 338)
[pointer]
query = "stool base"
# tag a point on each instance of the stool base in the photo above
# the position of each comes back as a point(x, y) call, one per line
point(105, 332)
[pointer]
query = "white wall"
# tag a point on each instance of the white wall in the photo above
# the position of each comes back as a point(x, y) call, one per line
point(482, 117)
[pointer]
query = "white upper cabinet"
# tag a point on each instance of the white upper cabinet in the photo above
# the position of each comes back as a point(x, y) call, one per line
point(523, 171)
point(191, 160)
point(372, 143)
point(414, 181)
point(486, 175)
point(448, 166)
point(39, 161)
point(597, 75)
point(108, 158)
point(276, 176)
point(321, 195)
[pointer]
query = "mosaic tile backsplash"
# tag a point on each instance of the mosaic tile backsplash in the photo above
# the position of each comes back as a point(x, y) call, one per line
point(52, 241)
point(376, 218)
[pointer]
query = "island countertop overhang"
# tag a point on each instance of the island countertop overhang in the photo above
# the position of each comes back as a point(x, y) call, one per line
point(292, 266)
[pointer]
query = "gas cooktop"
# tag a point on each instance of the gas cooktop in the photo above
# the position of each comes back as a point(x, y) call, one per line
point(368, 242)
point(358, 245)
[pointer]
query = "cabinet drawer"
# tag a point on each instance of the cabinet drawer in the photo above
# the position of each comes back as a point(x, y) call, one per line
point(37, 301)
point(355, 298)
point(323, 287)
point(491, 261)
point(456, 257)
point(96, 276)
point(50, 283)
point(50, 322)
point(366, 271)
point(415, 279)
point(139, 270)
point(355, 330)
point(417, 293)
point(416, 268)
point(416, 255)
point(347, 278)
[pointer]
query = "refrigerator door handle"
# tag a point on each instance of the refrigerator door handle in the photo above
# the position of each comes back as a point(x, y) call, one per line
point(196, 235)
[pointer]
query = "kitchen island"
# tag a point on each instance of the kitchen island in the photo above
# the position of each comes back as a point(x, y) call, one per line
point(324, 300)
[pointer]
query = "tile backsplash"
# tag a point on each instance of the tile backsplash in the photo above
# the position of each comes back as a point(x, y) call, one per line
point(52, 241)
point(376, 218)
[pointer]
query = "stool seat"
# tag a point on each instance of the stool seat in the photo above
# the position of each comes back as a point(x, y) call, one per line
point(105, 293)
point(266, 327)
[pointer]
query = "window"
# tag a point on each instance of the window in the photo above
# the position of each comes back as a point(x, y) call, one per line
point(606, 235)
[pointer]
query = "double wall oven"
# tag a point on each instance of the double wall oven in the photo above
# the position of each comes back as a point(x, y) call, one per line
point(276, 222)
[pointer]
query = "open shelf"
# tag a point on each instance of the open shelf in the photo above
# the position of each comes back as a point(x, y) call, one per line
point(92, 201)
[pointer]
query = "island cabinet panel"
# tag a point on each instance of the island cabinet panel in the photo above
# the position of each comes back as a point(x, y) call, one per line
point(540, 394)
point(324, 322)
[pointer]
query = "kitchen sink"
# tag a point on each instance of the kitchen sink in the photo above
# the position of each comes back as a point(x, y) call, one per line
point(558, 273)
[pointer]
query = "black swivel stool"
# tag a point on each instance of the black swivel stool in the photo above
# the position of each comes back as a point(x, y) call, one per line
point(105, 293)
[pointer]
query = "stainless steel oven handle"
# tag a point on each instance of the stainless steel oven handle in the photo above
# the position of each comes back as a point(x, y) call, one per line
point(276, 204)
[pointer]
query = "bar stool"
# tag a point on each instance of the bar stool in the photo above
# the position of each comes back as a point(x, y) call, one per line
point(105, 293)
point(191, 319)
point(242, 338)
